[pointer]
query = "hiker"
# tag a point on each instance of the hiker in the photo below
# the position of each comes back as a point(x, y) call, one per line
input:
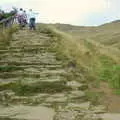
point(25, 17)
point(32, 19)
point(20, 17)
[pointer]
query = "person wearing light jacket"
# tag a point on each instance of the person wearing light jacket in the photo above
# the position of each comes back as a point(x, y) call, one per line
point(32, 18)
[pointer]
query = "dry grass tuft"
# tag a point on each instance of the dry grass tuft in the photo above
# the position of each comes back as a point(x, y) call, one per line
point(6, 34)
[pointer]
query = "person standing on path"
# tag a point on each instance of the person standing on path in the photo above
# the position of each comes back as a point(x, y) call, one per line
point(32, 18)
point(20, 17)
point(25, 17)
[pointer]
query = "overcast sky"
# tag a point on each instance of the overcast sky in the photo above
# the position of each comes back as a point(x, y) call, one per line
point(76, 12)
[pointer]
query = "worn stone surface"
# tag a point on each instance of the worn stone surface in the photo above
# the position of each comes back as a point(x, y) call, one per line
point(27, 112)
point(27, 59)
point(77, 94)
point(110, 116)
point(80, 106)
point(66, 114)
point(99, 109)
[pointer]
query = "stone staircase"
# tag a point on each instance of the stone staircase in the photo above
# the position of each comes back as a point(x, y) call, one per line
point(29, 57)
point(29, 61)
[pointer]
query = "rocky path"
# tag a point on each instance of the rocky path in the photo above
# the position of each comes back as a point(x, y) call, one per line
point(33, 85)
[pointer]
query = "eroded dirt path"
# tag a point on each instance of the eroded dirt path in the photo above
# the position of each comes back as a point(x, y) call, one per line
point(110, 99)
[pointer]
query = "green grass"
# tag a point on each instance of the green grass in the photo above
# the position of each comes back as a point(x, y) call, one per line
point(117, 92)
point(9, 68)
point(110, 72)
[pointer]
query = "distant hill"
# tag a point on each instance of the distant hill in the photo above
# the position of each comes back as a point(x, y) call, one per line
point(107, 34)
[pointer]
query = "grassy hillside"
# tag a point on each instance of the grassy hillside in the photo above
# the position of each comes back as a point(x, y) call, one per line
point(66, 57)
point(107, 34)
point(86, 49)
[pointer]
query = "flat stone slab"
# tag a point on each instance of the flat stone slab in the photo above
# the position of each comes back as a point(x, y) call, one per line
point(99, 109)
point(74, 84)
point(75, 94)
point(59, 100)
point(110, 116)
point(81, 106)
point(27, 112)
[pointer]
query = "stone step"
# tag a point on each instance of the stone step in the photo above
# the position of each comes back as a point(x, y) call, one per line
point(27, 63)
point(35, 71)
point(28, 41)
point(21, 112)
point(80, 106)
point(41, 99)
point(40, 35)
point(40, 46)
point(28, 46)
point(24, 50)
point(40, 67)
point(38, 54)
point(110, 116)
point(75, 85)
point(23, 61)
point(77, 94)
point(30, 54)
point(32, 68)
point(37, 39)
point(32, 75)
point(32, 80)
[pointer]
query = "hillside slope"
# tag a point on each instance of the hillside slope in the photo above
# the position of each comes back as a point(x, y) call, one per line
point(102, 62)
point(51, 71)
point(35, 84)
point(107, 34)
